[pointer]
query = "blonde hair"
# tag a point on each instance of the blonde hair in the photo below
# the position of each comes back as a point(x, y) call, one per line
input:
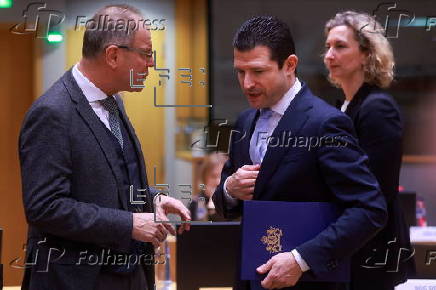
point(379, 68)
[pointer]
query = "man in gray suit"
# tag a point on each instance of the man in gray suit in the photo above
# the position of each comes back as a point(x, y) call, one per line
point(85, 189)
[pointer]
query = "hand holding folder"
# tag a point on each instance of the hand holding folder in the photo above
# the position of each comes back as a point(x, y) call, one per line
point(282, 270)
point(273, 227)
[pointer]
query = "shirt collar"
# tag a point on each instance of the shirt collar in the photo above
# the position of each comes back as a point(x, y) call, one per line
point(345, 105)
point(281, 106)
point(91, 92)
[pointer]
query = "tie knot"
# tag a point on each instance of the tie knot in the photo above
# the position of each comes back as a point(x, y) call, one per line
point(266, 113)
point(109, 104)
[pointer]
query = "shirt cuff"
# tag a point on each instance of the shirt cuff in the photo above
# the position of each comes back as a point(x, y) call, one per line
point(300, 261)
point(230, 199)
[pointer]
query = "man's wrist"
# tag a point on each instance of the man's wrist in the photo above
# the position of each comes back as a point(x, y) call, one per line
point(157, 200)
point(232, 201)
point(225, 187)
point(134, 225)
point(300, 261)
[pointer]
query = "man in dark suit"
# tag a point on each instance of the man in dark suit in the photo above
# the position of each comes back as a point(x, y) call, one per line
point(292, 146)
point(85, 190)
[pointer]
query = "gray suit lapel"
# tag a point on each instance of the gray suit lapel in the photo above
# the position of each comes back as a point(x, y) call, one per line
point(93, 122)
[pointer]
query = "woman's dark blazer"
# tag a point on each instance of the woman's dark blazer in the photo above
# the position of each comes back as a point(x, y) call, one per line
point(378, 125)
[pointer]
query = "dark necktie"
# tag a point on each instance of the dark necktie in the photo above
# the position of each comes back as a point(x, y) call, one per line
point(114, 119)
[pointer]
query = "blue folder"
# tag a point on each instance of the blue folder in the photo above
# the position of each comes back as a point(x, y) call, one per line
point(272, 227)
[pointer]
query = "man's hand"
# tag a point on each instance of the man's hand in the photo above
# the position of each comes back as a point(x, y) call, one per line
point(283, 271)
point(145, 229)
point(165, 205)
point(241, 183)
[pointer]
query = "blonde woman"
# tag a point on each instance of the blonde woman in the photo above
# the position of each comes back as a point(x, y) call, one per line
point(360, 61)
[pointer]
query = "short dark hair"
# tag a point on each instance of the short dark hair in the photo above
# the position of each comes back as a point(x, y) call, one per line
point(268, 31)
point(96, 40)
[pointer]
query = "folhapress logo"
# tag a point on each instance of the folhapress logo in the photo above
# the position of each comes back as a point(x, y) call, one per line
point(391, 18)
point(38, 19)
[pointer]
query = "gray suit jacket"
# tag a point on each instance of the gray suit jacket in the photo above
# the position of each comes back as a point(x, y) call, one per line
point(72, 190)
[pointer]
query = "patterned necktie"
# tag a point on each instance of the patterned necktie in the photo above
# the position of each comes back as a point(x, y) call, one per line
point(259, 140)
point(114, 120)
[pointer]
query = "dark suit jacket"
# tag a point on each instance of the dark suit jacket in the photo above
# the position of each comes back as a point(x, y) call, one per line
point(72, 190)
point(334, 171)
point(377, 122)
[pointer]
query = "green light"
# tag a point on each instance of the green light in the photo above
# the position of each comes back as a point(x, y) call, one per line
point(54, 37)
point(5, 3)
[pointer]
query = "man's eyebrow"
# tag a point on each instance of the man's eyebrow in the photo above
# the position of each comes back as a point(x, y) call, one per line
point(254, 67)
point(259, 67)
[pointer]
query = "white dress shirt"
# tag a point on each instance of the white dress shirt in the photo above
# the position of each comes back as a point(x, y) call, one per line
point(278, 111)
point(282, 105)
point(345, 105)
point(92, 94)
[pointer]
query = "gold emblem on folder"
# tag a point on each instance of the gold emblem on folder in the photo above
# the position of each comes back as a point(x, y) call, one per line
point(272, 240)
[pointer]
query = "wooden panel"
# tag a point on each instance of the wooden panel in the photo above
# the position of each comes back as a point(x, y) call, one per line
point(16, 91)
point(148, 120)
point(419, 158)
point(191, 52)
point(74, 40)
point(184, 38)
point(37, 69)
point(200, 59)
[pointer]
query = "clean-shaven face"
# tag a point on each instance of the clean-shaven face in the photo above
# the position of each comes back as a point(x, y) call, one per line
point(139, 59)
point(260, 78)
point(343, 57)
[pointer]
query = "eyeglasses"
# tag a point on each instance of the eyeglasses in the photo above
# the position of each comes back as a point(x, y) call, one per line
point(142, 52)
